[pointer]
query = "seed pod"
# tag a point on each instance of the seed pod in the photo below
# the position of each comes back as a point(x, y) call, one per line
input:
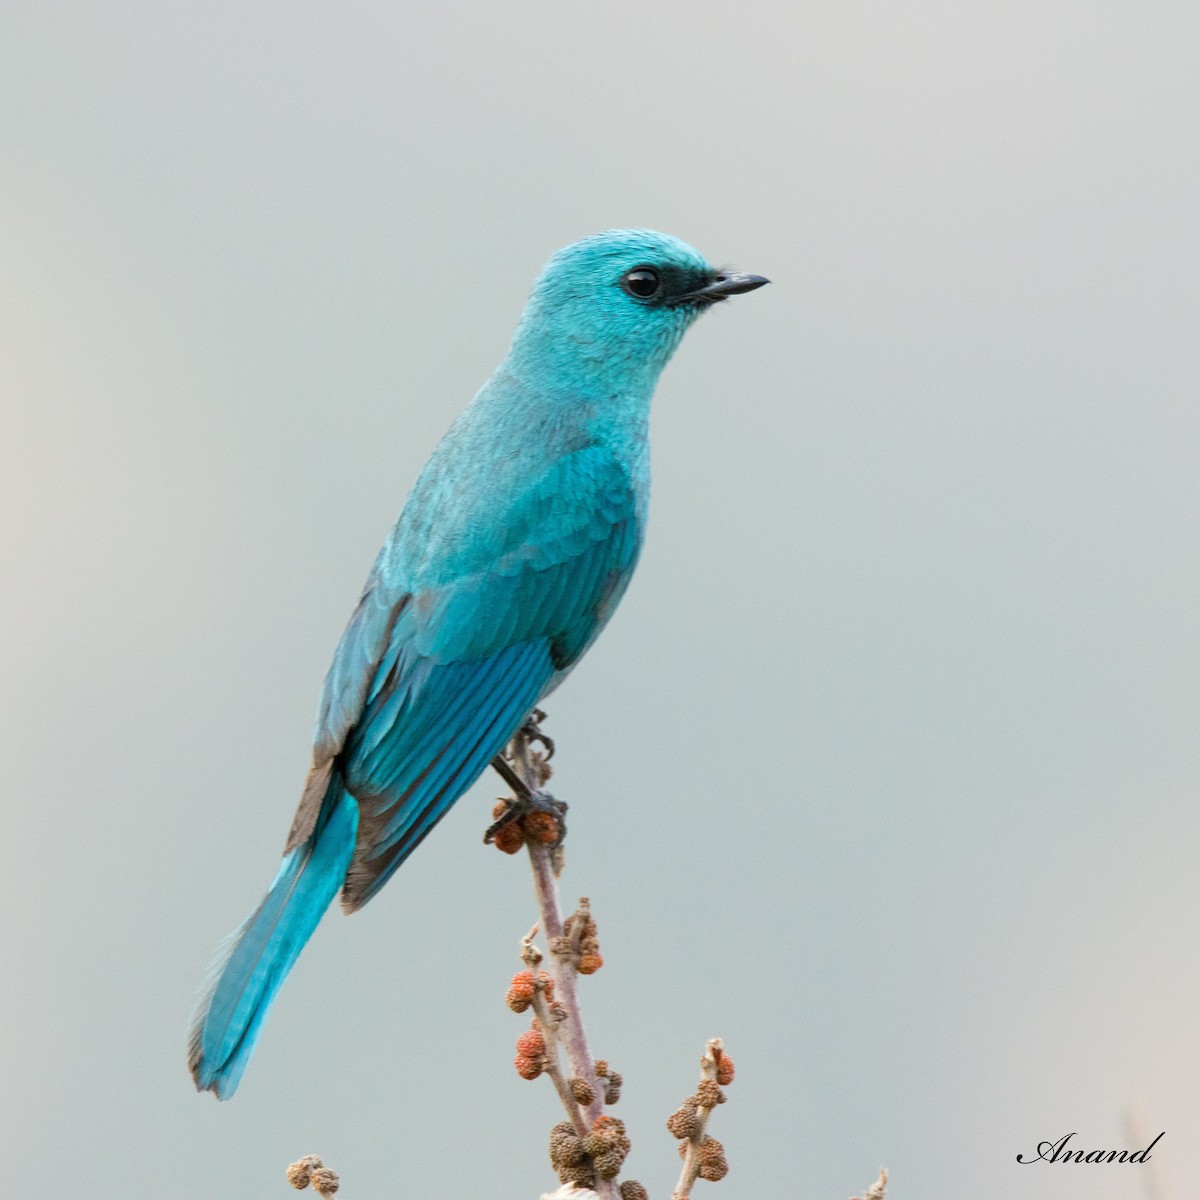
point(684, 1122)
point(520, 993)
point(582, 1175)
point(608, 1164)
point(542, 828)
point(299, 1173)
point(528, 1068)
point(324, 1180)
point(510, 839)
point(725, 1070)
point(566, 1150)
point(523, 984)
point(531, 1044)
point(713, 1165)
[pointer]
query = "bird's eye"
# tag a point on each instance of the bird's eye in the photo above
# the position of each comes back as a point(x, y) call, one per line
point(642, 282)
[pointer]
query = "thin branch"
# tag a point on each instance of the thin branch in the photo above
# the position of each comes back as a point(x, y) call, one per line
point(551, 1024)
point(694, 1143)
point(543, 861)
point(877, 1190)
point(562, 967)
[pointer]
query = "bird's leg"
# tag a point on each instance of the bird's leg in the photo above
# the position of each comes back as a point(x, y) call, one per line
point(525, 773)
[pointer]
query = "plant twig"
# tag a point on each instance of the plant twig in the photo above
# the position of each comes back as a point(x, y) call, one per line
point(877, 1190)
point(562, 967)
point(310, 1171)
point(698, 1148)
point(543, 861)
point(551, 1023)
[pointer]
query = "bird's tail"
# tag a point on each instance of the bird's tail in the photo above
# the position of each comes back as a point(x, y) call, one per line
point(254, 960)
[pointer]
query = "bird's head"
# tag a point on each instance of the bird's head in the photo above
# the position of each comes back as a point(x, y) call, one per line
point(614, 306)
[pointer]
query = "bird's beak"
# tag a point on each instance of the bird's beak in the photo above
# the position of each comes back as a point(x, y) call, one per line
point(726, 284)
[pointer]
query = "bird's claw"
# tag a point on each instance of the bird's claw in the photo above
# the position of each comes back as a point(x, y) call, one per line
point(531, 731)
point(519, 807)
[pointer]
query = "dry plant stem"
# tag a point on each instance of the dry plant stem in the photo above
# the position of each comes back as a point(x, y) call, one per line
point(571, 1031)
point(545, 886)
point(552, 1032)
point(691, 1162)
point(877, 1190)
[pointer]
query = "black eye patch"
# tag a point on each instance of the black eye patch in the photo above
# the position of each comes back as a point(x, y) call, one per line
point(666, 284)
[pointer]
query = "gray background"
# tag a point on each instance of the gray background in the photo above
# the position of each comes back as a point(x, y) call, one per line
point(886, 770)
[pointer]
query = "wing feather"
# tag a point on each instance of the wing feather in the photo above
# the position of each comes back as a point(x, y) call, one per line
point(429, 683)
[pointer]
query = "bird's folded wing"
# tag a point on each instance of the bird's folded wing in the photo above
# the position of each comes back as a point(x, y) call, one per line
point(428, 686)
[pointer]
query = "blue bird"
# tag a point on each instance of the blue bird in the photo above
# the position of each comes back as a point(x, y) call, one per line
point(513, 550)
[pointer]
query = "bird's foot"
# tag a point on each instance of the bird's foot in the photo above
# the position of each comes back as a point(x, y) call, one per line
point(530, 814)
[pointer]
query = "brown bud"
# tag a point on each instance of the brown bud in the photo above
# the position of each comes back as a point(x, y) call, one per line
point(709, 1094)
point(527, 1067)
point(684, 1122)
point(612, 1093)
point(608, 1164)
point(632, 1190)
point(589, 964)
point(520, 993)
point(531, 1043)
point(566, 1150)
point(523, 984)
point(581, 1090)
point(547, 983)
point(541, 827)
point(324, 1181)
point(510, 839)
point(711, 1154)
point(581, 1174)
point(601, 1065)
point(299, 1173)
point(724, 1070)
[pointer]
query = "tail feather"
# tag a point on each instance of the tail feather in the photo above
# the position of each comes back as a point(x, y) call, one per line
point(253, 961)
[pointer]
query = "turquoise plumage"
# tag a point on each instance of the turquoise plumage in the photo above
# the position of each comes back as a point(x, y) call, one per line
point(513, 550)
